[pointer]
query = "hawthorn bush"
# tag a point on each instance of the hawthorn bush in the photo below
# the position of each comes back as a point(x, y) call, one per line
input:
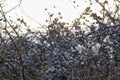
point(64, 52)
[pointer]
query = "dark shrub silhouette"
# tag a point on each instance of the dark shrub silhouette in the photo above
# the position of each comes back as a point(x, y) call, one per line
point(64, 52)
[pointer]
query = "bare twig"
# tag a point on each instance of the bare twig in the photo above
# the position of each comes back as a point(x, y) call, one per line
point(18, 52)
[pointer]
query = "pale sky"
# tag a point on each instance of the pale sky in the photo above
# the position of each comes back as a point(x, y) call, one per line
point(35, 9)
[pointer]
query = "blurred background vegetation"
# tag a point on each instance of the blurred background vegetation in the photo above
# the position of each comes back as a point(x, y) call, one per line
point(85, 49)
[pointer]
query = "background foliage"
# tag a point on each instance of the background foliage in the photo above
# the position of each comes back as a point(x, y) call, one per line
point(66, 51)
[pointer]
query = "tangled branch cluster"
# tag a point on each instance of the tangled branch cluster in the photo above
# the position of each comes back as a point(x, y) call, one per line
point(64, 52)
